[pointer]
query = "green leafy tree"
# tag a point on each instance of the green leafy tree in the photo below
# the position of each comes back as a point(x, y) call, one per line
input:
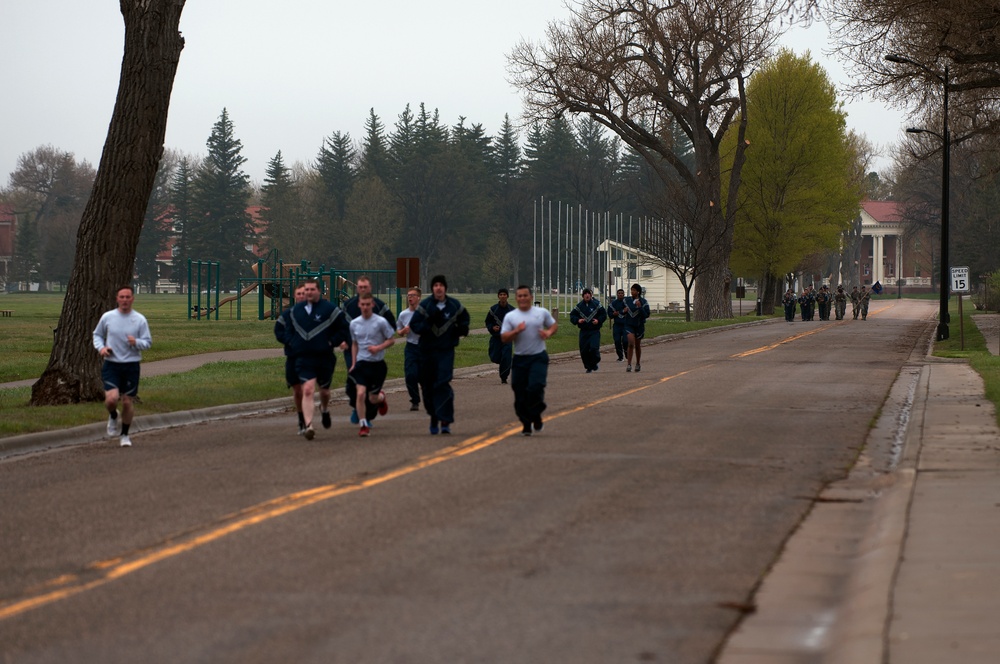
point(221, 229)
point(797, 194)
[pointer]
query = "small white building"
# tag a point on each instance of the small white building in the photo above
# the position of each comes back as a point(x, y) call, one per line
point(628, 265)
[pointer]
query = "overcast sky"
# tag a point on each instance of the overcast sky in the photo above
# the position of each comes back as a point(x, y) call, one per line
point(290, 73)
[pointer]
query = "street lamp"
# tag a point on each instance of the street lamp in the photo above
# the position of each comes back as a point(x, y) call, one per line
point(943, 316)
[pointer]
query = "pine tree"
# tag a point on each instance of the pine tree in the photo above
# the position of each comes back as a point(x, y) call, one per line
point(156, 227)
point(335, 165)
point(511, 214)
point(375, 158)
point(221, 229)
point(281, 211)
point(26, 252)
point(182, 204)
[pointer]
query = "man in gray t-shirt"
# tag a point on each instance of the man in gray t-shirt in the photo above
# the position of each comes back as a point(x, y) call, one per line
point(119, 338)
point(528, 327)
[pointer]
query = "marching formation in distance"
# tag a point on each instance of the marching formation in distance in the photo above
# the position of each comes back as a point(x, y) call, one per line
point(823, 299)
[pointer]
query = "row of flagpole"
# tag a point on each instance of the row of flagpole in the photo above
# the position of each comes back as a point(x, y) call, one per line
point(566, 255)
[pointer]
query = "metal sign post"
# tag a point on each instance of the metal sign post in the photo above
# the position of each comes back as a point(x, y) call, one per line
point(960, 285)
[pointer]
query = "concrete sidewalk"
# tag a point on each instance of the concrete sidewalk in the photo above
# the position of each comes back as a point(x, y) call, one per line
point(897, 564)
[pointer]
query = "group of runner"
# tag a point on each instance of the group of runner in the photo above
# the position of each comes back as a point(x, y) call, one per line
point(364, 327)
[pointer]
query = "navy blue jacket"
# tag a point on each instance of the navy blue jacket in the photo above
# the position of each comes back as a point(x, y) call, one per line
point(318, 332)
point(440, 328)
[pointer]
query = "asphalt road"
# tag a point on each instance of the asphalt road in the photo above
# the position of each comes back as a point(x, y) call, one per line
point(632, 529)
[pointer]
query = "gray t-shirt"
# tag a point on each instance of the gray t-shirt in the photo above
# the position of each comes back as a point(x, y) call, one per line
point(113, 331)
point(404, 319)
point(370, 332)
point(535, 319)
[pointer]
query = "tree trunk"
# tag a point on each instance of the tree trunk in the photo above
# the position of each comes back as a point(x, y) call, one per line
point(112, 220)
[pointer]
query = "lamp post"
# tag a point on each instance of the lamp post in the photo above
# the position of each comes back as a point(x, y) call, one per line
point(943, 317)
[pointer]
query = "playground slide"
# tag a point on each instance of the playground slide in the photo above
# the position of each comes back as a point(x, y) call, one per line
point(233, 298)
point(208, 310)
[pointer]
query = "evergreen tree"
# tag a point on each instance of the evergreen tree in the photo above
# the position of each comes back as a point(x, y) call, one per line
point(335, 165)
point(375, 158)
point(221, 229)
point(552, 161)
point(511, 214)
point(182, 204)
point(26, 260)
point(280, 210)
point(595, 174)
point(156, 226)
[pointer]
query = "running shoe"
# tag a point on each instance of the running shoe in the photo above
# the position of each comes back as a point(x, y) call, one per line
point(414, 406)
point(526, 431)
point(113, 423)
point(638, 368)
point(309, 433)
point(327, 422)
point(364, 431)
point(538, 423)
point(383, 406)
point(125, 442)
point(354, 417)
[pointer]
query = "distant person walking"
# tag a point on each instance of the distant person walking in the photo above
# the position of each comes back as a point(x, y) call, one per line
point(616, 312)
point(840, 303)
point(589, 316)
point(282, 328)
point(865, 299)
point(440, 321)
point(636, 313)
point(317, 328)
point(371, 335)
point(120, 337)
point(527, 328)
point(411, 352)
point(500, 353)
point(788, 302)
point(855, 302)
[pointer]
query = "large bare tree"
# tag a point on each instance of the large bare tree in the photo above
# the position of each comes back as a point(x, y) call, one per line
point(641, 67)
point(112, 219)
point(963, 35)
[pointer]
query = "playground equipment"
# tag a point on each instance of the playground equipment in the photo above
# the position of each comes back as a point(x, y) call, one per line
point(275, 282)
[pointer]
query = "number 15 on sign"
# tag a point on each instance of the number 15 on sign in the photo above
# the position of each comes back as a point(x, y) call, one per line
point(960, 280)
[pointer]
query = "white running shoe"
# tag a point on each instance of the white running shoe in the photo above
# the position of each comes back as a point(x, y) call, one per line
point(113, 423)
point(125, 442)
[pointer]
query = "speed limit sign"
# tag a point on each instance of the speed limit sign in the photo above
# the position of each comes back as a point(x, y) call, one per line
point(960, 280)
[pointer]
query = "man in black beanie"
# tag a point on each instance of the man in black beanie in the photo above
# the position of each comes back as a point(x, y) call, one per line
point(440, 321)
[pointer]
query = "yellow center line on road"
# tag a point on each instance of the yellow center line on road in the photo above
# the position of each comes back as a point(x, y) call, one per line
point(103, 572)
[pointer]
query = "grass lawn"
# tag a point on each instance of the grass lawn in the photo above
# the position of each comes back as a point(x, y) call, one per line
point(29, 341)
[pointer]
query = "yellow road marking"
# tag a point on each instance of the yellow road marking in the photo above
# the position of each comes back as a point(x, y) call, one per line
point(118, 567)
point(112, 569)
